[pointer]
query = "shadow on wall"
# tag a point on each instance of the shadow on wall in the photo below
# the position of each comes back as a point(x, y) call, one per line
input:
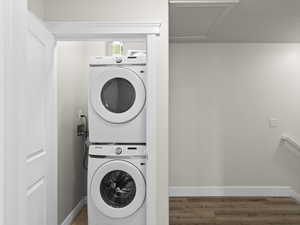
point(287, 158)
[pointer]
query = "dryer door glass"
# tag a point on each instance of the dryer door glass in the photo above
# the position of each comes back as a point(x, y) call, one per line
point(117, 189)
point(118, 95)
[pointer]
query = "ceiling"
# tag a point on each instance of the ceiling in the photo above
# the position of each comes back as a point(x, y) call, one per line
point(235, 21)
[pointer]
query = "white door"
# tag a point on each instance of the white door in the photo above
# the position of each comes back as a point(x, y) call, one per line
point(38, 116)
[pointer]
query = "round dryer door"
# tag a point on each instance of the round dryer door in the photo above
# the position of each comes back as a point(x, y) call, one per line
point(118, 189)
point(118, 95)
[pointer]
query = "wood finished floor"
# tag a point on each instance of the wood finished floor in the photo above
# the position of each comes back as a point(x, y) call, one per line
point(81, 218)
point(228, 211)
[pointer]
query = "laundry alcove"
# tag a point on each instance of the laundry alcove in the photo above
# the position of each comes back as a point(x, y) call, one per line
point(76, 85)
point(149, 34)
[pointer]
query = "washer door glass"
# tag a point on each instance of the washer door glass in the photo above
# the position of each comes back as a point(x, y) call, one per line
point(118, 189)
point(118, 95)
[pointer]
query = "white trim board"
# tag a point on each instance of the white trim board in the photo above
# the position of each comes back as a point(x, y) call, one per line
point(74, 213)
point(203, 3)
point(2, 109)
point(220, 191)
point(87, 30)
point(152, 109)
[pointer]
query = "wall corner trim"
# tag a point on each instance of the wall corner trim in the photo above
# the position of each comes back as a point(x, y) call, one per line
point(74, 213)
point(238, 191)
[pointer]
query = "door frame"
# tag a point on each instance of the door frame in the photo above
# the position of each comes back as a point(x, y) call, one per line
point(2, 117)
point(150, 32)
point(13, 60)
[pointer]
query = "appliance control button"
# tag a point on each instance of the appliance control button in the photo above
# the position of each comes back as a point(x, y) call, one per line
point(118, 150)
point(119, 59)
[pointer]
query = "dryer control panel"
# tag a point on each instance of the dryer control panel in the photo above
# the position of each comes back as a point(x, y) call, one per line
point(117, 150)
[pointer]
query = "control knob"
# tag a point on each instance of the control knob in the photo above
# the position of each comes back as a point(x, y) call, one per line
point(119, 59)
point(118, 150)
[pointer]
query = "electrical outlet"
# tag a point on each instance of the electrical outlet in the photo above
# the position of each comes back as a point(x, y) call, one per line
point(80, 113)
point(273, 122)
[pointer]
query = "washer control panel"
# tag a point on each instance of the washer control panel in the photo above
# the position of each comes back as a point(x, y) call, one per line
point(117, 150)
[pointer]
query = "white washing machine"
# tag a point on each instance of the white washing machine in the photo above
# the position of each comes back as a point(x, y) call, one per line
point(117, 185)
point(117, 99)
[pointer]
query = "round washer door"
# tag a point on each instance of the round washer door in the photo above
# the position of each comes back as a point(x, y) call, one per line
point(118, 189)
point(118, 95)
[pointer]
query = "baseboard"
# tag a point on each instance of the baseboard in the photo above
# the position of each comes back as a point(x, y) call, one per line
point(279, 191)
point(73, 214)
point(296, 195)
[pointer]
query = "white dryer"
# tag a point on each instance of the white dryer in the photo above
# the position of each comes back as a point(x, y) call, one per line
point(116, 185)
point(117, 99)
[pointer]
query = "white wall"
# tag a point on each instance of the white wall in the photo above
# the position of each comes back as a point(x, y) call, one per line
point(132, 11)
point(72, 66)
point(222, 96)
point(37, 7)
point(71, 82)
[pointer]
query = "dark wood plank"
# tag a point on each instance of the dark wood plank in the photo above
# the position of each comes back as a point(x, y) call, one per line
point(228, 211)
point(234, 211)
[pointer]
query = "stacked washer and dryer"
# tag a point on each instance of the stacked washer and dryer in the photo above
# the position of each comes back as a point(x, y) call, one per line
point(117, 133)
